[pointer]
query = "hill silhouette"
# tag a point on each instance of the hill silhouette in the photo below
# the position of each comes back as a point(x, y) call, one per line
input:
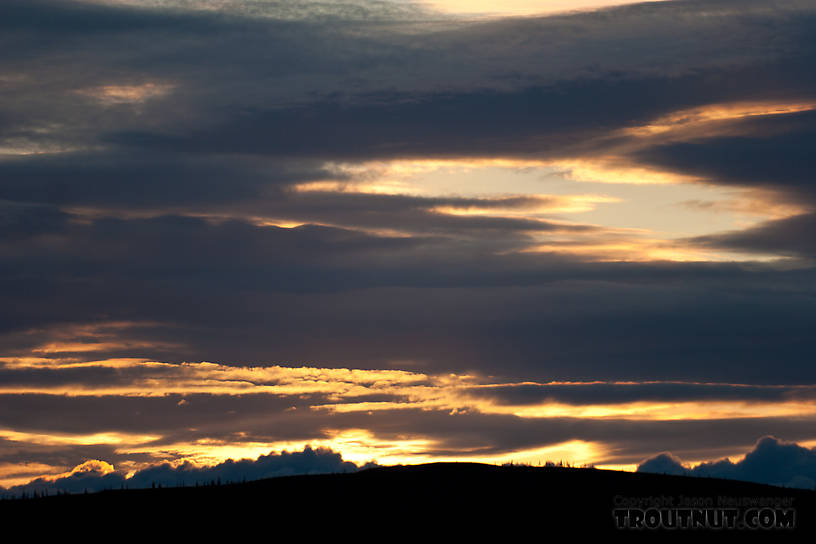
point(425, 501)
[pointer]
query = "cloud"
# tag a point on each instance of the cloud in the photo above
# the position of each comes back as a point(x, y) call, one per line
point(19, 221)
point(620, 393)
point(153, 160)
point(770, 152)
point(132, 412)
point(663, 463)
point(767, 153)
point(346, 88)
point(771, 461)
point(94, 475)
point(116, 181)
point(791, 236)
point(446, 304)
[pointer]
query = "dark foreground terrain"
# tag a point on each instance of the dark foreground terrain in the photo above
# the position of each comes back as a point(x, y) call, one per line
point(436, 501)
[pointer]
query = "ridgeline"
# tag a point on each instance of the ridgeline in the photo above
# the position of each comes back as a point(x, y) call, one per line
point(448, 500)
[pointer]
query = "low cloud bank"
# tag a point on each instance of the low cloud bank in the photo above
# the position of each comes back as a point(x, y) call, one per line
point(95, 475)
point(772, 461)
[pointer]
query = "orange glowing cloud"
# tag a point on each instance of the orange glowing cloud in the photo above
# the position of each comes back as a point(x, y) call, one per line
point(400, 176)
point(361, 446)
point(20, 473)
point(83, 338)
point(641, 250)
point(341, 391)
point(84, 347)
point(614, 169)
point(733, 111)
point(54, 439)
point(91, 465)
point(704, 121)
point(127, 94)
point(451, 393)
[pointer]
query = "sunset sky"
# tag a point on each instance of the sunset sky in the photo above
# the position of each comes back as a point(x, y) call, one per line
point(404, 231)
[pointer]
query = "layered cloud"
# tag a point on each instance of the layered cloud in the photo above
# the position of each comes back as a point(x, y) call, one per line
point(402, 233)
point(136, 413)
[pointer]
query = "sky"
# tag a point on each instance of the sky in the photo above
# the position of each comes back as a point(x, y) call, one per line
point(316, 235)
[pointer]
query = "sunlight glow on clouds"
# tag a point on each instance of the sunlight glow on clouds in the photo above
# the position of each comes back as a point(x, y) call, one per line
point(643, 250)
point(523, 7)
point(410, 391)
point(325, 399)
point(361, 446)
point(81, 440)
point(526, 184)
point(406, 231)
point(21, 473)
point(695, 118)
point(616, 170)
point(127, 94)
point(93, 465)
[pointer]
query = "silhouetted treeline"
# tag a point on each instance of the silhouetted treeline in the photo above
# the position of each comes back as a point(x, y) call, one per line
point(454, 500)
